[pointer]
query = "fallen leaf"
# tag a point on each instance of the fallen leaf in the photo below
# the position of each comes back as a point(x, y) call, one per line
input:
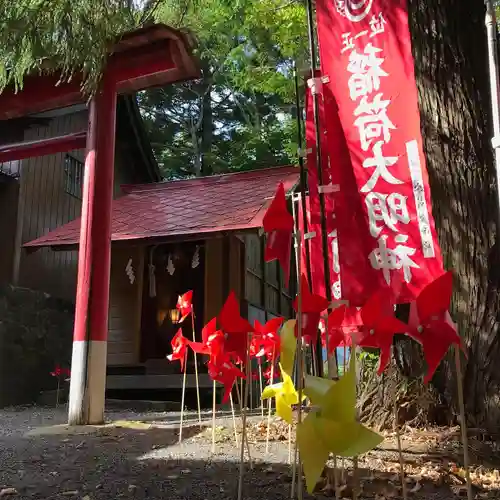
point(416, 488)
point(132, 487)
point(8, 491)
point(69, 493)
point(185, 471)
point(460, 491)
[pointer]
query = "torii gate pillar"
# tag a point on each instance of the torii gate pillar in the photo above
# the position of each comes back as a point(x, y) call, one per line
point(88, 363)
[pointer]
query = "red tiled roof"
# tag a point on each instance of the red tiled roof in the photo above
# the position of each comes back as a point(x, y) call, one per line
point(230, 202)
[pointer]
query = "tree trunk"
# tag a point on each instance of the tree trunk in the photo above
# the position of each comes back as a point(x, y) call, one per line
point(449, 45)
point(197, 154)
point(451, 66)
point(207, 122)
point(207, 134)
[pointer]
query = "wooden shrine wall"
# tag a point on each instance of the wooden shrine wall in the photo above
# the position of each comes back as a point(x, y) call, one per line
point(45, 204)
point(224, 259)
point(9, 196)
point(50, 192)
point(264, 287)
point(214, 278)
point(125, 305)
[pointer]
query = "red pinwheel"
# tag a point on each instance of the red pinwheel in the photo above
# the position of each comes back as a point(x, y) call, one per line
point(185, 305)
point(312, 307)
point(256, 348)
point(431, 323)
point(271, 372)
point(179, 344)
point(59, 372)
point(278, 224)
point(336, 333)
point(270, 341)
point(212, 341)
point(235, 328)
point(225, 373)
point(379, 326)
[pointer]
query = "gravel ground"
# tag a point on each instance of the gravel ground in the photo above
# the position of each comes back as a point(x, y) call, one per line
point(43, 459)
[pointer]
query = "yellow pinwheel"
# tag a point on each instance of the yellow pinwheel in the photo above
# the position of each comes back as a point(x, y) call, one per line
point(288, 346)
point(285, 394)
point(331, 426)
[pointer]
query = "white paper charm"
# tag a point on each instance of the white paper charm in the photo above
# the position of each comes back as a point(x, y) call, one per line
point(130, 272)
point(196, 258)
point(170, 265)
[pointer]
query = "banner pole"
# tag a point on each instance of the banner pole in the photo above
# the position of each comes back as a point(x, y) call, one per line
point(491, 32)
point(303, 174)
point(303, 184)
point(319, 159)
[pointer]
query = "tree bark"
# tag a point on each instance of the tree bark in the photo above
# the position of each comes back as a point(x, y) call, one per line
point(451, 67)
point(207, 133)
point(450, 51)
point(207, 121)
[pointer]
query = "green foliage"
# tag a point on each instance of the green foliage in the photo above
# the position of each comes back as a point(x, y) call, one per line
point(238, 116)
point(369, 359)
point(68, 35)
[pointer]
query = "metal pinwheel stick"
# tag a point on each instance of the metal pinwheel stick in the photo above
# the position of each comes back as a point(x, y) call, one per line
point(300, 376)
point(244, 423)
point(196, 371)
point(269, 405)
point(183, 396)
point(261, 387)
point(214, 403)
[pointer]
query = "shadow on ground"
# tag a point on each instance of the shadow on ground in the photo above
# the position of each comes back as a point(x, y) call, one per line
point(148, 462)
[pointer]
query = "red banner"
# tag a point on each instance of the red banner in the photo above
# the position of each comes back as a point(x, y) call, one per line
point(347, 228)
point(385, 226)
point(314, 215)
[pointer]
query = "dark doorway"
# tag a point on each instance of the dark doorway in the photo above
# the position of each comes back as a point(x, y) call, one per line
point(171, 270)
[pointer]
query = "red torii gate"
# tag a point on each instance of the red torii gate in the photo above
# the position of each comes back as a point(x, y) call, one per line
point(151, 56)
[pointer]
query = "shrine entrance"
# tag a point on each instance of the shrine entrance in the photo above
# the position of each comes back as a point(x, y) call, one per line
point(170, 271)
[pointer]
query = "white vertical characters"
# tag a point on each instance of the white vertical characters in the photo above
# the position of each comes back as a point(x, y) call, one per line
point(388, 209)
point(336, 287)
point(371, 118)
point(366, 71)
point(420, 201)
point(361, 34)
point(372, 121)
point(381, 164)
point(377, 24)
point(388, 259)
point(335, 251)
point(347, 42)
